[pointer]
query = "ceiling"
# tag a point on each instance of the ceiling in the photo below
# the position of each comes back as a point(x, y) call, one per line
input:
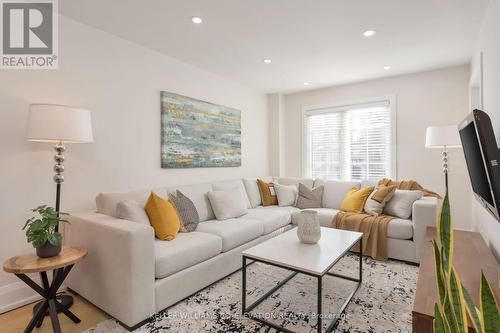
point(317, 41)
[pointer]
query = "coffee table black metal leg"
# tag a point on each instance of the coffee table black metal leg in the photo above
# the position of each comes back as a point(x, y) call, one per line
point(244, 287)
point(360, 260)
point(320, 303)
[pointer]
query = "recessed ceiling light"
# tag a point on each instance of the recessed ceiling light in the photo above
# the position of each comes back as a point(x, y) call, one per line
point(267, 61)
point(196, 20)
point(369, 33)
point(306, 83)
point(387, 67)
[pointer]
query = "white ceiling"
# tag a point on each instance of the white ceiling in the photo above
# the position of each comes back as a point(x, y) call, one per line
point(315, 41)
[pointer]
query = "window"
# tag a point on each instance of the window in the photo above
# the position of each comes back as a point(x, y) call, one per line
point(350, 142)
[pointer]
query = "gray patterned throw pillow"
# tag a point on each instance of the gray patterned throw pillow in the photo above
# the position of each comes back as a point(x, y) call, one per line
point(309, 198)
point(187, 211)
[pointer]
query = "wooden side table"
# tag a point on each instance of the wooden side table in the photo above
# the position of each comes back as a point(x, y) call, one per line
point(61, 265)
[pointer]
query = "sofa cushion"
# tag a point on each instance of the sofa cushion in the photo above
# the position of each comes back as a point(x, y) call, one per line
point(400, 229)
point(335, 191)
point(130, 210)
point(234, 232)
point(231, 184)
point(106, 202)
point(325, 216)
point(228, 204)
point(272, 219)
point(198, 195)
point(186, 250)
point(309, 182)
point(309, 197)
point(397, 229)
point(253, 191)
point(289, 209)
point(401, 203)
point(287, 194)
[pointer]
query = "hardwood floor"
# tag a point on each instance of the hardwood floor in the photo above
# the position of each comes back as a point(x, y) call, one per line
point(15, 321)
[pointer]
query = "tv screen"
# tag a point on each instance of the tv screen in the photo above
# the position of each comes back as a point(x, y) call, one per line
point(483, 159)
point(475, 164)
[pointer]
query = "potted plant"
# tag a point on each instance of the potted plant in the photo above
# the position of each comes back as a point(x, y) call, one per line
point(41, 231)
point(455, 304)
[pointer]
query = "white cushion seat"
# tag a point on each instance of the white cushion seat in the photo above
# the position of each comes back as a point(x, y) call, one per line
point(289, 209)
point(400, 229)
point(233, 232)
point(325, 216)
point(397, 229)
point(185, 250)
point(272, 219)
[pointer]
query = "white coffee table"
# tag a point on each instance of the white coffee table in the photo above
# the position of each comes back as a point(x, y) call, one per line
point(286, 251)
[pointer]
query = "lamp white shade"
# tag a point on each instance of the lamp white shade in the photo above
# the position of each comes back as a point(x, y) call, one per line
point(442, 137)
point(58, 123)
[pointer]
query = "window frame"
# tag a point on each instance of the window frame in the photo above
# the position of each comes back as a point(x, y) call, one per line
point(326, 108)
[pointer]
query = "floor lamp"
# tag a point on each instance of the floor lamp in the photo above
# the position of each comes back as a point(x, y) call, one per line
point(443, 137)
point(59, 124)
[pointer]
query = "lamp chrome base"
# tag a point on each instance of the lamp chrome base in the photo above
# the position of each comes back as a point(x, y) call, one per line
point(66, 300)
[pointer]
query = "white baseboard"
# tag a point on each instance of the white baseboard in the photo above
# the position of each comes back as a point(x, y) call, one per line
point(17, 294)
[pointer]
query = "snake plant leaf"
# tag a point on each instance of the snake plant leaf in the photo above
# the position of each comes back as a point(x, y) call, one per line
point(439, 322)
point(445, 232)
point(457, 300)
point(489, 309)
point(472, 311)
point(440, 280)
point(449, 314)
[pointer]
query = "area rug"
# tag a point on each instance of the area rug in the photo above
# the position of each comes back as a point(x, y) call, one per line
point(382, 304)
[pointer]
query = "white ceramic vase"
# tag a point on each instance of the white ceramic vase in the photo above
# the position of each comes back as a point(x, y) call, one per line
point(309, 230)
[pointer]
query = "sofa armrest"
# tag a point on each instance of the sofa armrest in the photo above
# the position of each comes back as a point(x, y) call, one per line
point(118, 274)
point(424, 214)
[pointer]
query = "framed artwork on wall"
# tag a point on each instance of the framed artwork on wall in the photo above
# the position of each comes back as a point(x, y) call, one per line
point(198, 134)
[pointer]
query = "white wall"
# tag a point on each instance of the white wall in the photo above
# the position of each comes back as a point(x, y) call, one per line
point(424, 99)
point(489, 44)
point(120, 82)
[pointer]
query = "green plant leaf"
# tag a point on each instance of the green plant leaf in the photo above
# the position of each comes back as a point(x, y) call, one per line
point(457, 301)
point(440, 280)
point(489, 309)
point(439, 322)
point(472, 311)
point(40, 240)
point(449, 314)
point(445, 232)
point(55, 238)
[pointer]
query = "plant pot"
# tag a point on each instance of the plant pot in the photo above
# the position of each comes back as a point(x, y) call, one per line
point(309, 230)
point(48, 250)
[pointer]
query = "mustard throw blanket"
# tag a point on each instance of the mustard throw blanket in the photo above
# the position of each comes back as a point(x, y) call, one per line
point(408, 185)
point(374, 229)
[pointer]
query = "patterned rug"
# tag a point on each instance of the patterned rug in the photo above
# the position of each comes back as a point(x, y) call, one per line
point(382, 304)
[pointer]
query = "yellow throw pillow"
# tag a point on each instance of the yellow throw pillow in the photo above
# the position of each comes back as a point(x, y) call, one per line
point(354, 200)
point(163, 217)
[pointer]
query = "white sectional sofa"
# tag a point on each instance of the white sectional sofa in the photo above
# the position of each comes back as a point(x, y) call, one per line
point(131, 275)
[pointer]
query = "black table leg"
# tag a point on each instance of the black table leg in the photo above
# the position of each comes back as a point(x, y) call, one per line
point(320, 303)
point(50, 303)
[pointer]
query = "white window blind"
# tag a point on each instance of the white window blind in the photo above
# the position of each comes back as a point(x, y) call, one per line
point(349, 142)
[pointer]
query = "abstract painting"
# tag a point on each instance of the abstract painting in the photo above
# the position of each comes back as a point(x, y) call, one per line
point(198, 134)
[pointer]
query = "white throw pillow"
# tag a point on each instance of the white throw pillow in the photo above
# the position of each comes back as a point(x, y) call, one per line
point(287, 194)
point(401, 203)
point(132, 211)
point(228, 204)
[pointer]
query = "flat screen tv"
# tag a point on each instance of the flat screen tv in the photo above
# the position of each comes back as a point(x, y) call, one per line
point(482, 156)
